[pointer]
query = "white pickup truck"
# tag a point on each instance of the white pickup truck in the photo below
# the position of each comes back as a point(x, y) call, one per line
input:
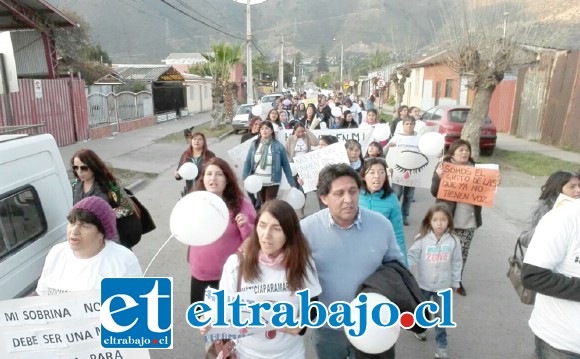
point(35, 198)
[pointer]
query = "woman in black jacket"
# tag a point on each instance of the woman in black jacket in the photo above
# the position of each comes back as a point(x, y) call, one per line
point(466, 217)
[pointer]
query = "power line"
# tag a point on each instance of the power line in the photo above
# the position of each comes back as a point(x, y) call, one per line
point(201, 22)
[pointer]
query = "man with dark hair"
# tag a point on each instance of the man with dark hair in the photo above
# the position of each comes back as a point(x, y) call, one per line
point(348, 244)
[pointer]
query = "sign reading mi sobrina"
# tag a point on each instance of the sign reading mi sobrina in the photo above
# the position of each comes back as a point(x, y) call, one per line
point(468, 184)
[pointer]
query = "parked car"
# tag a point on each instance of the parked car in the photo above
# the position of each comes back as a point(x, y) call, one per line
point(266, 102)
point(242, 118)
point(451, 119)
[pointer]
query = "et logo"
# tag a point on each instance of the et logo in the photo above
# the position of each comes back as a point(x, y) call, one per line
point(137, 313)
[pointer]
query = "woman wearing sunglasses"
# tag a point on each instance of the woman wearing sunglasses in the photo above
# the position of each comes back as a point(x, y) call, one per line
point(93, 178)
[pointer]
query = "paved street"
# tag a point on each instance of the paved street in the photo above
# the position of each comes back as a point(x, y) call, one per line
point(491, 321)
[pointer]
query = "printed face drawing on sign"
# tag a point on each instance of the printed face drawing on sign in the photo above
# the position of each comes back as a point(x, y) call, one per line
point(411, 162)
point(411, 167)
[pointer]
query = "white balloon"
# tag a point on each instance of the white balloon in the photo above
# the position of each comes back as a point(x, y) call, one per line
point(257, 110)
point(331, 104)
point(293, 168)
point(376, 339)
point(199, 218)
point(431, 143)
point(188, 171)
point(295, 198)
point(323, 126)
point(336, 112)
point(381, 132)
point(253, 184)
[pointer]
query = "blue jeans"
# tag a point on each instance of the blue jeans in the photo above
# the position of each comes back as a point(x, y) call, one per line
point(332, 344)
point(546, 351)
point(407, 193)
point(440, 333)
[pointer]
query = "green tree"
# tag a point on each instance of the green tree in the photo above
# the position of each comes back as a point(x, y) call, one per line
point(96, 53)
point(219, 65)
point(78, 52)
point(324, 81)
point(261, 65)
point(322, 61)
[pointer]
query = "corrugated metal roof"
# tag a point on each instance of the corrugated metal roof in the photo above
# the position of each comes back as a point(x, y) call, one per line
point(48, 15)
point(146, 72)
point(142, 73)
point(184, 58)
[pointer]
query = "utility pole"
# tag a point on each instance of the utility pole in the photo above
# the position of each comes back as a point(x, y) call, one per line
point(281, 67)
point(249, 74)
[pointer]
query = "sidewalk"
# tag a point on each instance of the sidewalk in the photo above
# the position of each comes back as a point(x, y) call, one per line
point(511, 143)
point(137, 151)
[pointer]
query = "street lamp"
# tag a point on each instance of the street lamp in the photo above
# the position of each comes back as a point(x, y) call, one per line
point(341, 59)
point(249, 74)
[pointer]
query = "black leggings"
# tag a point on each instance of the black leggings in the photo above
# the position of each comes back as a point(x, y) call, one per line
point(198, 289)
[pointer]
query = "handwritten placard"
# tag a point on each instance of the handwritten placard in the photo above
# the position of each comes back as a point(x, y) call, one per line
point(310, 164)
point(56, 326)
point(411, 168)
point(468, 184)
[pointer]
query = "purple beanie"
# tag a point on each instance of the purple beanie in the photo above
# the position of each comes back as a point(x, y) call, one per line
point(103, 211)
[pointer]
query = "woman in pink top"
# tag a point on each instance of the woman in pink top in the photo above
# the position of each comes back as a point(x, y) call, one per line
point(207, 262)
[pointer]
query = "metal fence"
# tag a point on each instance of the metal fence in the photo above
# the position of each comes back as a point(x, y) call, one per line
point(112, 108)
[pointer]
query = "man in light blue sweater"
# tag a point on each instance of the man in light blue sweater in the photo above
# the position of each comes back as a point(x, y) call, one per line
point(348, 244)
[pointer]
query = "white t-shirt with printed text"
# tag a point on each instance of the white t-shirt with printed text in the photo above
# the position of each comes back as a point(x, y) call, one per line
point(272, 282)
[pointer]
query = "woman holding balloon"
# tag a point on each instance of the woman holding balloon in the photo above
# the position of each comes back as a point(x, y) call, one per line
point(206, 261)
point(276, 256)
point(198, 154)
point(267, 159)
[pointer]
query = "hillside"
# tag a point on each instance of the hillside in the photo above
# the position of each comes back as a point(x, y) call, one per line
point(146, 31)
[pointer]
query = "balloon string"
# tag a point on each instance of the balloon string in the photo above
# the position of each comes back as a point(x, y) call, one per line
point(156, 254)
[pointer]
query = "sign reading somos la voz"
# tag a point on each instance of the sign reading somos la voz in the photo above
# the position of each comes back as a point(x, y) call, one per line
point(468, 184)
point(56, 326)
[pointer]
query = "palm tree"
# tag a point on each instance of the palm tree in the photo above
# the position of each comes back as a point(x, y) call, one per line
point(220, 64)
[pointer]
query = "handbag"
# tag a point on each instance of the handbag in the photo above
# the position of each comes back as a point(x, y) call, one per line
point(226, 348)
point(147, 223)
point(514, 273)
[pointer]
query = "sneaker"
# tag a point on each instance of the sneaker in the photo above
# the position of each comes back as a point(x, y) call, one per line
point(441, 353)
point(421, 336)
point(405, 222)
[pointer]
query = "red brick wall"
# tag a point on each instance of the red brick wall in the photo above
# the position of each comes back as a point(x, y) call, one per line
point(125, 126)
point(100, 132)
point(442, 72)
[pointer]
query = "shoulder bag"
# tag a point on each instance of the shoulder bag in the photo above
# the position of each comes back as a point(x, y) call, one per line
point(514, 273)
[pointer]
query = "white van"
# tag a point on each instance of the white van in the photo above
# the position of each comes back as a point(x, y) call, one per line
point(35, 198)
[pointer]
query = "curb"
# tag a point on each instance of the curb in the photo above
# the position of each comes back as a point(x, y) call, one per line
point(221, 137)
point(135, 186)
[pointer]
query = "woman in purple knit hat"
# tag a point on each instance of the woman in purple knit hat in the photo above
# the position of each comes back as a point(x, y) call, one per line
point(89, 254)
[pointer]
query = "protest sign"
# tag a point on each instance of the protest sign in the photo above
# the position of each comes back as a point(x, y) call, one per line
point(468, 184)
point(310, 164)
point(411, 168)
point(58, 326)
point(362, 135)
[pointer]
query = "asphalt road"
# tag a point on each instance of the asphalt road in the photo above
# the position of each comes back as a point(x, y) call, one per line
point(491, 321)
